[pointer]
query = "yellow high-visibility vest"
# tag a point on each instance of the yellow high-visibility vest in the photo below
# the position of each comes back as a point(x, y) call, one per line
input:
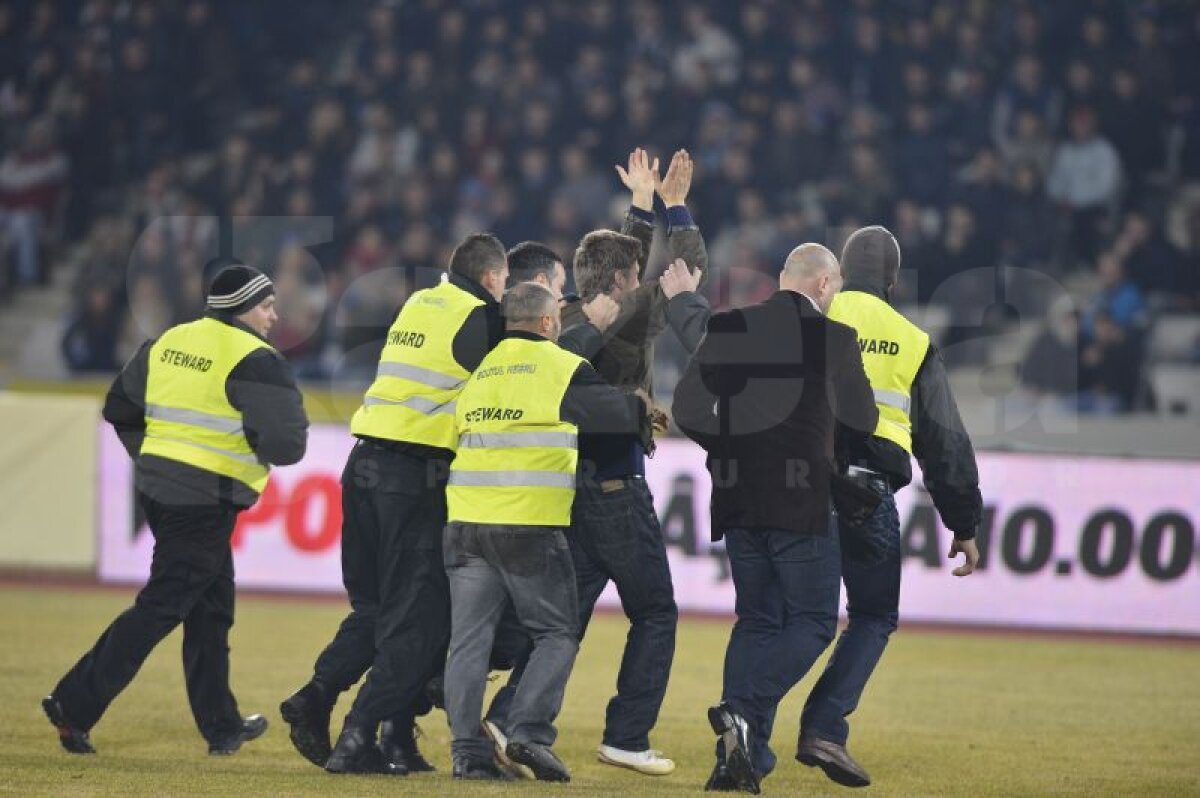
point(188, 416)
point(412, 397)
point(893, 349)
point(516, 458)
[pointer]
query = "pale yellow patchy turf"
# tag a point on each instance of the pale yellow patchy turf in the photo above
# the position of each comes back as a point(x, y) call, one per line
point(946, 714)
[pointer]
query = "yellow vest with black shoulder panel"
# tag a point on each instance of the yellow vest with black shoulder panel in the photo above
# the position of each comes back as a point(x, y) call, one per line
point(412, 397)
point(516, 458)
point(893, 349)
point(188, 415)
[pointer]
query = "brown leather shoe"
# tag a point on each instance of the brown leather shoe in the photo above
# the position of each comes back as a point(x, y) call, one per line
point(832, 758)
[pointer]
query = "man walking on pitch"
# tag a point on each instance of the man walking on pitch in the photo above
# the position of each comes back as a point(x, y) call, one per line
point(205, 411)
point(762, 396)
point(509, 501)
point(917, 418)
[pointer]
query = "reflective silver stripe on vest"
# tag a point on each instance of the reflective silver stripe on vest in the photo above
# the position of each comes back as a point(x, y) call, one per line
point(517, 440)
point(422, 405)
point(511, 479)
point(892, 399)
point(434, 379)
point(195, 418)
point(249, 459)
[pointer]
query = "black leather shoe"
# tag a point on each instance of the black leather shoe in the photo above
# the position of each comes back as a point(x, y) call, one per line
point(832, 758)
point(307, 713)
point(479, 770)
point(73, 738)
point(357, 752)
point(253, 727)
point(540, 759)
point(735, 732)
point(398, 747)
point(720, 780)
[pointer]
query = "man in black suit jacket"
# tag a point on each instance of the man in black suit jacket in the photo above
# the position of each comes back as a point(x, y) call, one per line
point(763, 395)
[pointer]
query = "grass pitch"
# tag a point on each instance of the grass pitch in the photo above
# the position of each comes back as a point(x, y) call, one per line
point(946, 714)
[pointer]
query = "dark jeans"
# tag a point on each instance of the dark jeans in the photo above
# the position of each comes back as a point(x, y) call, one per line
point(871, 572)
point(616, 535)
point(491, 567)
point(394, 509)
point(191, 582)
point(787, 596)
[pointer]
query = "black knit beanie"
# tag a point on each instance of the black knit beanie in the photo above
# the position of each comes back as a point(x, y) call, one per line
point(237, 288)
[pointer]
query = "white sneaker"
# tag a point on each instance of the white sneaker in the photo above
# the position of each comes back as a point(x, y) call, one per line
point(500, 745)
point(650, 762)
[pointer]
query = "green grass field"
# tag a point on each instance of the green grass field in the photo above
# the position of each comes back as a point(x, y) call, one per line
point(946, 714)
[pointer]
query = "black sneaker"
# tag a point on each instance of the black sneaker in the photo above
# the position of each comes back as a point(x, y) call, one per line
point(74, 739)
point(540, 759)
point(469, 769)
point(735, 733)
point(307, 714)
point(253, 727)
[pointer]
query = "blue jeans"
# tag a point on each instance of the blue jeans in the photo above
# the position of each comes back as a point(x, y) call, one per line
point(787, 597)
point(871, 571)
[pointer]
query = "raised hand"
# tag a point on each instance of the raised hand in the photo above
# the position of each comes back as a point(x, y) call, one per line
point(641, 178)
point(678, 279)
point(675, 186)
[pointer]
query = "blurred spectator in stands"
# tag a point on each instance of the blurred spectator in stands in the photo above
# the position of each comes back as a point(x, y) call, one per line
point(916, 232)
point(1050, 366)
point(1136, 125)
point(1151, 261)
point(584, 188)
point(1081, 88)
point(1109, 367)
point(1030, 144)
point(1119, 300)
point(822, 103)
point(794, 153)
point(32, 179)
point(968, 107)
point(1084, 179)
point(922, 165)
point(90, 342)
point(1026, 91)
point(707, 49)
point(1027, 228)
point(980, 185)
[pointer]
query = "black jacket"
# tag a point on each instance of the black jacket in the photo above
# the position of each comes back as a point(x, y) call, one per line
point(940, 443)
point(262, 387)
point(762, 396)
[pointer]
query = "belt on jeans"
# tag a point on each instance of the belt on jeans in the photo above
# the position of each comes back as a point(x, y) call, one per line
point(611, 485)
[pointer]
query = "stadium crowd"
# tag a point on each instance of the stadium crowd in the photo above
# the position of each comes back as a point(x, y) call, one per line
point(1060, 137)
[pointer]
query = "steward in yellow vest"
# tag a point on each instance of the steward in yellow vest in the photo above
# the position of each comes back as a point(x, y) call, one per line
point(393, 515)
point(917, 413)
point(205, 410)
point(917, 418)
point(509, 501)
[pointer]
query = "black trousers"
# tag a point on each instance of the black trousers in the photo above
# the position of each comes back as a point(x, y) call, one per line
point(191, 582)
point(393, 512)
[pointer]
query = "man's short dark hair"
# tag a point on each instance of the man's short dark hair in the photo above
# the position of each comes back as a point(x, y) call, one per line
point(871, 255)
point(478, 254)
point(529, 259)
point(601, 254)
